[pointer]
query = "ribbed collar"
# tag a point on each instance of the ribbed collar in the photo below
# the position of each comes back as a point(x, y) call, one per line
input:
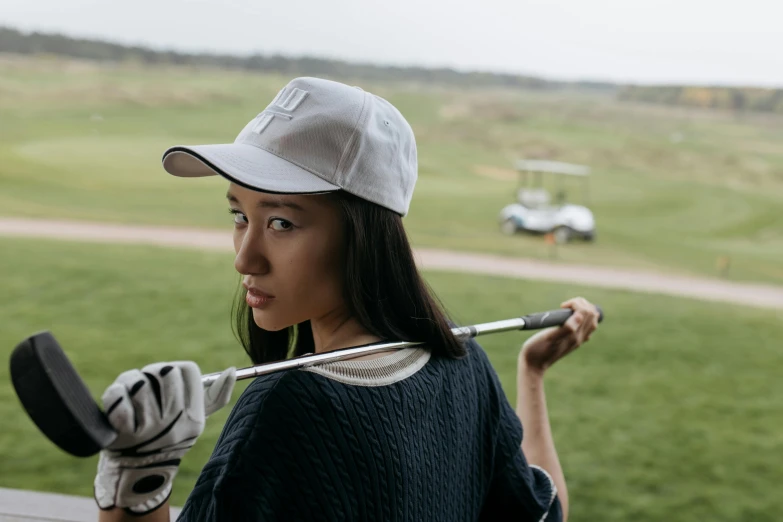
point(375, 372)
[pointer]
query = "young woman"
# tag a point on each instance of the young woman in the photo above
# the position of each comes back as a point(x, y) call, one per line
point(318, 184)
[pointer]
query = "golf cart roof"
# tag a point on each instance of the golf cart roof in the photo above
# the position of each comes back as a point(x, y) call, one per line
point(552, 167)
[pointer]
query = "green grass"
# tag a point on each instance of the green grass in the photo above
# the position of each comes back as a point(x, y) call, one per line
point(84, 142)
point(671, 412)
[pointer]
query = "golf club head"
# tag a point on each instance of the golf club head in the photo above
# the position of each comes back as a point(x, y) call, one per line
point(56, 398)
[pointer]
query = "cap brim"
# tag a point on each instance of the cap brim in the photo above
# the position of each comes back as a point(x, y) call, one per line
point(246, 165)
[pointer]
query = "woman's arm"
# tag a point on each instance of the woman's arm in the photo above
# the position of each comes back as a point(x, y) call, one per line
point(538, 354)
point(537, 443)
point(119, 515)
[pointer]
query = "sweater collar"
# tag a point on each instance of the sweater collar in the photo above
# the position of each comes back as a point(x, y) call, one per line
point(375, 372)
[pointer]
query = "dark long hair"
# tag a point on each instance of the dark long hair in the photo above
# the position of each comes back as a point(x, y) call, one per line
point(383, 291)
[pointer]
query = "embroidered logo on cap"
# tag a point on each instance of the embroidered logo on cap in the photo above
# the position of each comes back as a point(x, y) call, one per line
point(286, 100)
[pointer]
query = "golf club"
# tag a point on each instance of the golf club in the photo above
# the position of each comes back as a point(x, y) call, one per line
point(59, 403)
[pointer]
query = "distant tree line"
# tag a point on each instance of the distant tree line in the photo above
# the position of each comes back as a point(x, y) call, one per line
point(738, 99)
point(14, 41)
point(732, 98)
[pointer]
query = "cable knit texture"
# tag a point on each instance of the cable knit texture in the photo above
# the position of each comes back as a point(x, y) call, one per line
point(437, 441)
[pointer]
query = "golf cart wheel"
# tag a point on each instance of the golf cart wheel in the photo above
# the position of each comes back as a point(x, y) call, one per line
point(508, 227)
point(562, 235)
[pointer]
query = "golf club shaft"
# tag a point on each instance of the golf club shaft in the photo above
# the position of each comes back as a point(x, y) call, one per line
point(528, 322)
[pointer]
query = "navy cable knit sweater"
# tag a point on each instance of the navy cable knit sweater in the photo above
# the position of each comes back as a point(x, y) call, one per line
point(440, 444)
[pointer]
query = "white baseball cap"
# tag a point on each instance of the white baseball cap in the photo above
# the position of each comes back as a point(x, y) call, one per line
point(316, 136)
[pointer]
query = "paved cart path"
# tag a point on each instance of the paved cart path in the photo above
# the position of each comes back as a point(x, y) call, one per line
point(757, 295)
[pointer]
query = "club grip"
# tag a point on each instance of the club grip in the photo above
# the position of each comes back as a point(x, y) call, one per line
point(552, 318)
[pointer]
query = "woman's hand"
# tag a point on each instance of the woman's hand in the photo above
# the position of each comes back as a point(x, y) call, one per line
point(548, 346)
point(158, 413)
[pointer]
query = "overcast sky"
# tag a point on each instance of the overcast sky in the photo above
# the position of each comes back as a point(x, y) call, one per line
point(644, 41)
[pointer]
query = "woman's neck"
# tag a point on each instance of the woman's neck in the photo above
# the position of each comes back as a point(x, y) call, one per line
point(337, 330)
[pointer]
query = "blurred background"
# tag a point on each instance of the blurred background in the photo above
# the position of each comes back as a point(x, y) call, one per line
point(629, 152)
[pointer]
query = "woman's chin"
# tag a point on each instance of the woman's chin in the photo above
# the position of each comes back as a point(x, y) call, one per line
point(268, 322)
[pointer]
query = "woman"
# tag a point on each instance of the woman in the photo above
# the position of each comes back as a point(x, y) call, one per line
point(318, 183)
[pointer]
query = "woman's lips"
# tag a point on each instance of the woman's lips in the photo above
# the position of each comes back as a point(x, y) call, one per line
point(258, 301)
point(256, 298)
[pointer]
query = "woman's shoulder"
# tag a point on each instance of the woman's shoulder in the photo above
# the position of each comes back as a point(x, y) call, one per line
point(269, 397)
point(474, 360)
point(267, 387)
point(264, 402)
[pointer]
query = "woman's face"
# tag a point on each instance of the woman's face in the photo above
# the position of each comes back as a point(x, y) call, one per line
point(289, 248)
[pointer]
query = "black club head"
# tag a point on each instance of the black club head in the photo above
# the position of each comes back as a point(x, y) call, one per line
point(56, 398)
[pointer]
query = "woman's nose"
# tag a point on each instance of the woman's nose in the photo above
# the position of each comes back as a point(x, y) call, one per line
point(250, 258)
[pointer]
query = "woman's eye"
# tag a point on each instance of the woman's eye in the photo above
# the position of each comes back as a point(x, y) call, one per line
point(280, 225)
point(239, 218)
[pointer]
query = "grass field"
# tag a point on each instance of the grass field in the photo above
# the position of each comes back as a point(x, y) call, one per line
point(672, 190)
point(670, 413)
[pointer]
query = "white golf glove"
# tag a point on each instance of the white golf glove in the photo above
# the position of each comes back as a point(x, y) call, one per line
point(158, 413)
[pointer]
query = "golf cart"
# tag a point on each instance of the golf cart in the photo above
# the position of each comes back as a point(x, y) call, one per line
point(535, 213)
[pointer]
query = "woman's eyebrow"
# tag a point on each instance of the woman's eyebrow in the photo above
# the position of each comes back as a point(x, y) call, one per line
point(279, 203)
point(269, 203)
